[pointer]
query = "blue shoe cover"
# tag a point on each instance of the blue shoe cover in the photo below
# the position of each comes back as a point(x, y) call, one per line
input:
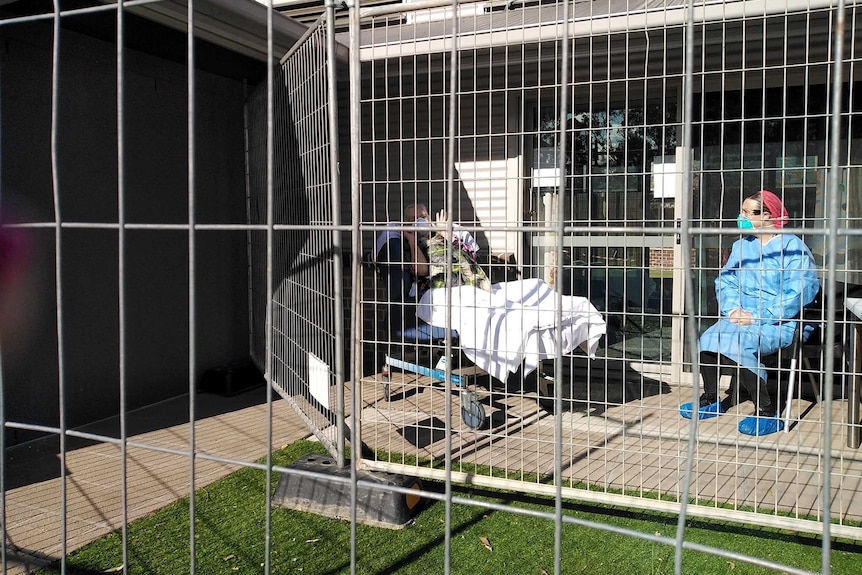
point(753, 425)
point(705, 412)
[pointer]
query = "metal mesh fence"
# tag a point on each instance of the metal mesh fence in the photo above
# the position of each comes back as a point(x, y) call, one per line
point(307, 326)
point(567, 153)
point(596, 154)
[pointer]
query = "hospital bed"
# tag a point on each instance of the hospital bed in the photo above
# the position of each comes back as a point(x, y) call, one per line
point(512, 327)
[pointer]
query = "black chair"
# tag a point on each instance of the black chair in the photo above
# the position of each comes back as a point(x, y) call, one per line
point(396, 308)
point(808, 351)
point(800, 352)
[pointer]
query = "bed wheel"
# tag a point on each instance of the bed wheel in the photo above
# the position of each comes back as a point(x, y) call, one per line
point(472, 412)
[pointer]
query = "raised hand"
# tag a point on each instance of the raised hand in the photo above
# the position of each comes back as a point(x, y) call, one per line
point(442, 220)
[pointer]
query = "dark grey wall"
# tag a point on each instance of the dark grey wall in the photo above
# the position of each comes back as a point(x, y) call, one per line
point(155, 192)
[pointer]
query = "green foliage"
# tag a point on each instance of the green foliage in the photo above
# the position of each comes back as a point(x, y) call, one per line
point(230, 534)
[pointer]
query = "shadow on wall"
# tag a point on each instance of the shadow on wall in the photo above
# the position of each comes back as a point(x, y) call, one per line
point(303, 318)
point(405, 173)
point(399, 195)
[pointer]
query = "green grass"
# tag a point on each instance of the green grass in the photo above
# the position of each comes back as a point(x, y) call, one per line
point(230, 528)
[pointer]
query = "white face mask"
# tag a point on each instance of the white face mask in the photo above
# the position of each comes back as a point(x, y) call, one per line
point(424, 229)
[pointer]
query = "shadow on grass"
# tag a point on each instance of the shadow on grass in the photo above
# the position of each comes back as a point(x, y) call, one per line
point(230, 520)
point(654, 517)
point(437, 542)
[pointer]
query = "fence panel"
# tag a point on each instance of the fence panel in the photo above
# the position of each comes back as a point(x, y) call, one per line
point(307, 330)
point(593, 154)
point(593, 205)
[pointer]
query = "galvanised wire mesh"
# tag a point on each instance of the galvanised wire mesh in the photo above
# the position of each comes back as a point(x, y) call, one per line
point(563, 150)
point(545, 142)
point(307, 341)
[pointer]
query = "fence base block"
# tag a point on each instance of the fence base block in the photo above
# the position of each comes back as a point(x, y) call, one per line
point(326, 493)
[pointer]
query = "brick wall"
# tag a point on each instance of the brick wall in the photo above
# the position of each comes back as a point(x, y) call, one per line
point(661, 258)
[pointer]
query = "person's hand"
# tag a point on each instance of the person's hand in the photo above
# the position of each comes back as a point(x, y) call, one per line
point(740, 317)
point(419, 264)
point(441, 223)
point(442, 220)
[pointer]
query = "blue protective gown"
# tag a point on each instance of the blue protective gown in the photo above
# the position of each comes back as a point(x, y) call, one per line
point(773, 282)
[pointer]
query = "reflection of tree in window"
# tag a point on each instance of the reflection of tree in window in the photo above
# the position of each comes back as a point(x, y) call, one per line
point(615, 138)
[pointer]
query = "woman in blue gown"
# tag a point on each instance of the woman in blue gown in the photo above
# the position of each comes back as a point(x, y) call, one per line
point(764, 285)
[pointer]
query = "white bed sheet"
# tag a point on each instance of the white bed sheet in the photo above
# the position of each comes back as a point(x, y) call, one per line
point(514, 324)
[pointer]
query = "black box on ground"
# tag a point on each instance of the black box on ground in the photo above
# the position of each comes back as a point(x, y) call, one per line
point(232, 379)
point(322, 490)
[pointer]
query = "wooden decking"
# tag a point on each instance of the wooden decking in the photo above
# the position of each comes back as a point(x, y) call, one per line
point(640, 446)
point(637, 445)
point(229, 428)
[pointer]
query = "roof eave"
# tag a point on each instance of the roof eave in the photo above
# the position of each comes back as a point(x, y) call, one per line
point(237, 25)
